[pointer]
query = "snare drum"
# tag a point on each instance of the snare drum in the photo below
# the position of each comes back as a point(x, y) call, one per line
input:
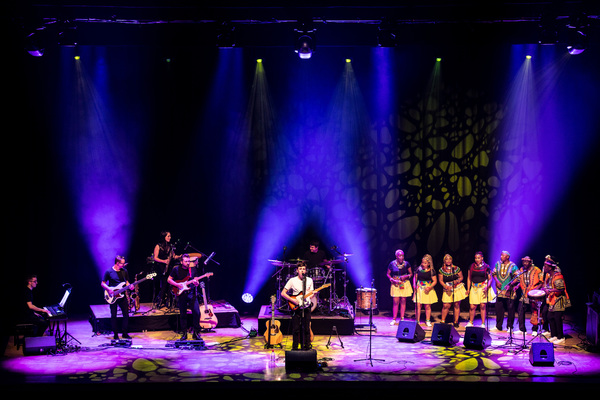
point(366, 298)
point(536, 294)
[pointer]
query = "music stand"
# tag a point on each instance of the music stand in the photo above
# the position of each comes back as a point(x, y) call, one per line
point(62, 340)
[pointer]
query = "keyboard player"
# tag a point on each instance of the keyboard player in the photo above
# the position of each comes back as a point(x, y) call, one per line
point(33, 314)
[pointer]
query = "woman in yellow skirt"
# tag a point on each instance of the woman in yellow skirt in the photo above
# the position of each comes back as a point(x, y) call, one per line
point(479, 290)
point(425, 280)
point(399, 273)
point(451, 278)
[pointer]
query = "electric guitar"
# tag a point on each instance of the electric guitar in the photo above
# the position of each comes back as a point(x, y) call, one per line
point(301, 298)
point(122, 288)
point(208, 319)
point(188, 283)
point(273, 333)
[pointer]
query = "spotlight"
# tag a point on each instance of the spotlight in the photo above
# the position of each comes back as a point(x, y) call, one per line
point(305, 47)
point(305, 42)
point(386, 37)
point(247, 298)
point(577, 42)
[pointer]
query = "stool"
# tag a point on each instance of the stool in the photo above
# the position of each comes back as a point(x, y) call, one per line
point(23, 330)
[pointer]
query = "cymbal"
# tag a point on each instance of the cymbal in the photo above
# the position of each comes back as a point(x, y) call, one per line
point(199, 255)
point(346, 255)
point(297, 260)
point(330, 262)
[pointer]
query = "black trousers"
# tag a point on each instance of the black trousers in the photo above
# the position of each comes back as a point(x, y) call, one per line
point(504, 304)
point(523, 307)
point(556, 324)
point(301, 328)
point(185, 301)
point(124, 306)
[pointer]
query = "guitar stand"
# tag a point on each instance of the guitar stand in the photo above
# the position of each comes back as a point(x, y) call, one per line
point(334, 329)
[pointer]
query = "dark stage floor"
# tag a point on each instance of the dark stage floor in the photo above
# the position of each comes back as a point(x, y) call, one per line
point(235, 358)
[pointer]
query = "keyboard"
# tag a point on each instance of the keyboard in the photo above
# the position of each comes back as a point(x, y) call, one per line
point(55, 311)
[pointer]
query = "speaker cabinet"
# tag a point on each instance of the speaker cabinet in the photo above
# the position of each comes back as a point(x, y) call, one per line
point(476, 338)
point(444, 335)
point(410, 331)
point(301, 361)
point(36, 345)
point(542, 354)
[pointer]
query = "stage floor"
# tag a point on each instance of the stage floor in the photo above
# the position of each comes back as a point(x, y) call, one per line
point(235, 358)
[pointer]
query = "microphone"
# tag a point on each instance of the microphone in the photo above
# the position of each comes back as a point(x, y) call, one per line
point(208, 258)
point(333, 247)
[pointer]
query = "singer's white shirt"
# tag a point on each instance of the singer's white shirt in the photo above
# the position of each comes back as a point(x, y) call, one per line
point(295, 284)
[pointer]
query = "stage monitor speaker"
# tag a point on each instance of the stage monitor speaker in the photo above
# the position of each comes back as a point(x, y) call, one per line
point(476, 338)
point(542, 354)
point(410, 331)
point(36, 345)
point(301, 361)
point(444, 335)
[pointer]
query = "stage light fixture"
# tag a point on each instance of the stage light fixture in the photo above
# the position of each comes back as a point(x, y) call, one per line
point(247, 298)
point(305, 47)
point(577, 42)
point(226, 36)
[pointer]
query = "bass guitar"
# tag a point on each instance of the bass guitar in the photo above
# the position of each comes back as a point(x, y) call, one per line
point(273, 333)
point(117, 291)
point(208, 319)
point(301, 298)
point(188, 283)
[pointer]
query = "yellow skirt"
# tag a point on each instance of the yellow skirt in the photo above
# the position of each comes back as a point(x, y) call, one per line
point(478, 296)
point(425, 298)
point(401, 290)
point(460, 293)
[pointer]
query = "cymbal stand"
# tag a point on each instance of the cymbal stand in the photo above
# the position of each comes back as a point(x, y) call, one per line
point(344, 300)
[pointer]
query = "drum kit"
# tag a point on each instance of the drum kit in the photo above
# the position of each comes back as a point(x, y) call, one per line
point(328, 272)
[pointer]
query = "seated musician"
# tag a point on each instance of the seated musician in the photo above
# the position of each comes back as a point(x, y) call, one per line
point(33, 314)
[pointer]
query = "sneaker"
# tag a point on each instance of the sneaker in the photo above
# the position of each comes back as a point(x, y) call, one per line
point(553, 339)
point(482, 325)
point(393, 322)
point(428, 323)
point(469, 323)
point(559, 341)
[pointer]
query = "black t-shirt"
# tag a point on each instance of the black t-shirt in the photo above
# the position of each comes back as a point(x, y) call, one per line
point(314, 259)
point(114, 278)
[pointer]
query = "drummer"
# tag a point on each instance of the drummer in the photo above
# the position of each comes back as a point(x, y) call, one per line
point(557, 299)
point(529, 279)
point(314, 256)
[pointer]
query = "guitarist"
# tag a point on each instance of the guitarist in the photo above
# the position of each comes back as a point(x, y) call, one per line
point(113, 277)
point(294, 291)
point(185, 273)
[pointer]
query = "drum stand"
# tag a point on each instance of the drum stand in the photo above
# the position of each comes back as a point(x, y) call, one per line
point(370, 358)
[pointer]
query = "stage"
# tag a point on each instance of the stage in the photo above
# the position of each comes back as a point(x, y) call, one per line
point(148, 318)
point(234, 358)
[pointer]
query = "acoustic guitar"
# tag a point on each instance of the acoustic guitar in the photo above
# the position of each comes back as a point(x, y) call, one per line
point(208, 319)
point(273, 335)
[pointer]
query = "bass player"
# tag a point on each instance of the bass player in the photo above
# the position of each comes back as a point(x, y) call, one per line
point(113, 277)
point(295, 292)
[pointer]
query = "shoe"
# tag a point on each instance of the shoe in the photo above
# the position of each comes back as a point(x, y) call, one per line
point(393, 322)
point(183, 336)
point(559, 341)
point(469, 324)
point(534, 333)
point(196, 336)
point(456, 325)
point(116, 337)
point(126, 336)
point(495, 329)
point(428, 323)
